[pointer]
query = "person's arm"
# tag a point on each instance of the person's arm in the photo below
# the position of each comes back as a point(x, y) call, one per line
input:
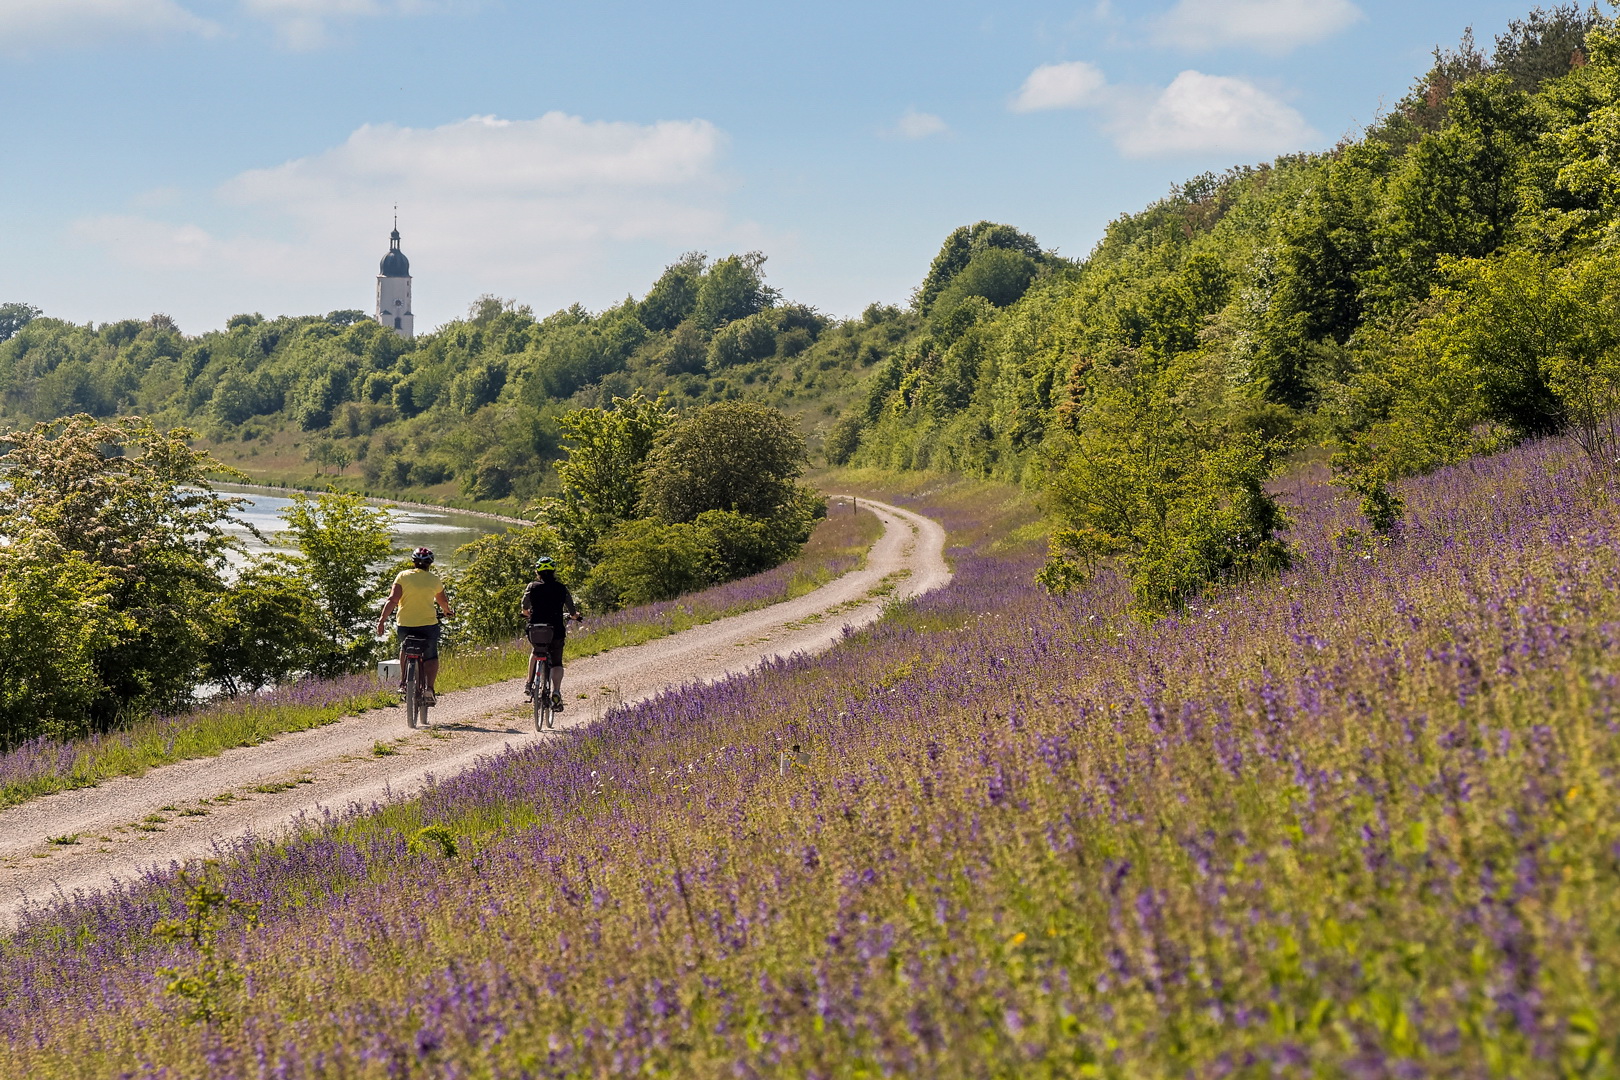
point(443, 600)
point(388, 608)
point(528, 602)
point(573, 608)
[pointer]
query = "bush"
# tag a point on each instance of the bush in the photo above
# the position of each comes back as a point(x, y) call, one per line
point(733, 455)
point(1173, 494)
point(645, 560)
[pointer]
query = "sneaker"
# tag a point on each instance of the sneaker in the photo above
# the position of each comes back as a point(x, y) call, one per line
point(528, 689)
point(428, 698)
point(556, 703)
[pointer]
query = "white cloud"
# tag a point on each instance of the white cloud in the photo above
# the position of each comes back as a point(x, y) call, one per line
point(517, 207)
point(917, 125)
point(1200, 113)
point(305, 24)
point(1074, 85)
point(31, 24)
point(1274, 26)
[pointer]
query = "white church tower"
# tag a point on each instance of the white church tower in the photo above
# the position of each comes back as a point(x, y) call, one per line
point(394, 289)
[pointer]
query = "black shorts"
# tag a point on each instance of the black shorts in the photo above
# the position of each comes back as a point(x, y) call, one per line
point(429, 634)
point(554, 651)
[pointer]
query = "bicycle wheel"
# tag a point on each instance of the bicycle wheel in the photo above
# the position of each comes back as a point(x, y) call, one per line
point(542, 697)
point(412, 686)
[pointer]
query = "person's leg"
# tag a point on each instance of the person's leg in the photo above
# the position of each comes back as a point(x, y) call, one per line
point(534, 667)
point(556, 656)
point(430, 662)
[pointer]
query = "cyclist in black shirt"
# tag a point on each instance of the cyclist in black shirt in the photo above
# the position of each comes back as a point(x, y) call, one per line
point(545, 601)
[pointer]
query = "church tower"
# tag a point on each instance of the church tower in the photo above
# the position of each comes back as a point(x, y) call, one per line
point(394, 289)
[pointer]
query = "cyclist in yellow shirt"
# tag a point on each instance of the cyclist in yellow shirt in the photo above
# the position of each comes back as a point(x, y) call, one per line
point(419, 595)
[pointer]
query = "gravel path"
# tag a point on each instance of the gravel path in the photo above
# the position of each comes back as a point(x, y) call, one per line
point(180, 811)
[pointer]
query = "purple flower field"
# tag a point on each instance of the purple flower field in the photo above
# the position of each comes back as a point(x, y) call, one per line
point(1359, 821)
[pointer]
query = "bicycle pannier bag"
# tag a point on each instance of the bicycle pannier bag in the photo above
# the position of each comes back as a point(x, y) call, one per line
point(541, 634)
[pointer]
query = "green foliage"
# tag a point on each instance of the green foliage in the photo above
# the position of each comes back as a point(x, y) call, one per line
point(966, 245)
point(733, 288)
point(493, 571)
point(13, 317)
point(207, 988)
point(132, 502)
point(55, 614)
point(1154, 478)
point(601, 476)
point(1545, 44)
point(645, 560)
point(1510, 347)
point(265, 629)
point(434, 838)
point(673, 297)
point(340, 540)
point(736, 456)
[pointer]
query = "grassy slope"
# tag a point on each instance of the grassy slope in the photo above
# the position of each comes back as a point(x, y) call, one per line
point(1353, 822)
point(43, 766)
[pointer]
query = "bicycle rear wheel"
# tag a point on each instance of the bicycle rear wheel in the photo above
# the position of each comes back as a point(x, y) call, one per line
point(413, 701)
point(542, 697)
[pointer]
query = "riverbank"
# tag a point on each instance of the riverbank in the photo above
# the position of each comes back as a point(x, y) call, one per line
point(375, 500)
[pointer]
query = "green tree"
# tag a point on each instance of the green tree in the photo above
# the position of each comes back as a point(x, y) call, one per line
point(674, 296)
point(997, 274)
point(1155, 478)
point(962, 246)
point(134, 502)
point(264, 630)
point(56, 610)
point(13, 317)
point(341, 542)
point(605, 453)
point(643, 561)
point(732, 455)
point(733, 288)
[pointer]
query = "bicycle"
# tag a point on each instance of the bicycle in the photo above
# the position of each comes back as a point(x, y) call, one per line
point(540, 636)
point(413, 651)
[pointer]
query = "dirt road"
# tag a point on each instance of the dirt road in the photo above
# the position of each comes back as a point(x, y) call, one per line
point(180, 811)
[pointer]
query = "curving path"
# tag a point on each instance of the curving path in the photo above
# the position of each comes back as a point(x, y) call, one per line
point(180, 811)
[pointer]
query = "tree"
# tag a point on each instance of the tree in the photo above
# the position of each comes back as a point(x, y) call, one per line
point(732, 455)
point(674, 295)
point(733, 288)
point(134, 502)
point(56, 610)
point(1155, 478)
point(1545, 44)
point(265, 629)
point(644, 561)
point(342, 541)
point(997, 274)
point(601, 472)
point(13, 317)
point(962, 246)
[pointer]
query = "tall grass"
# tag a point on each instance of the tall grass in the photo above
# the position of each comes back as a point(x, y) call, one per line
point(1353, 822)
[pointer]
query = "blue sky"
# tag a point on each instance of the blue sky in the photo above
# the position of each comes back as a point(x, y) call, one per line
point(206, 157)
